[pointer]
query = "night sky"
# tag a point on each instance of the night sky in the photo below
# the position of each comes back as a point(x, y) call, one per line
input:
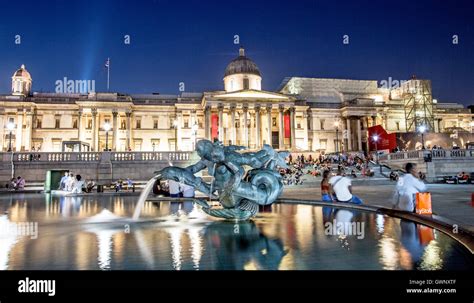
point(193, 41)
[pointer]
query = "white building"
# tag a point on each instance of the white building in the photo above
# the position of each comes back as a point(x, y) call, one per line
point(302, 115)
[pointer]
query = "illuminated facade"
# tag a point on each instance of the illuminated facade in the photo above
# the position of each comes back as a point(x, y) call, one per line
point(301, 115)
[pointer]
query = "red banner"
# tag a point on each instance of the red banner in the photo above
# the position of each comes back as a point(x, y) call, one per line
point(214, 126)
point(384, 139)
point(287, 126)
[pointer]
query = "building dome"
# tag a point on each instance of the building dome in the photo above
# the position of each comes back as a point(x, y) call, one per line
point(22, 72)
point(242, 73)
point(21, 82)
point(242, 65)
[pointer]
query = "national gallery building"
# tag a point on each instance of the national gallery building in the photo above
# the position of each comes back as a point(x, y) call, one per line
point(303, 114)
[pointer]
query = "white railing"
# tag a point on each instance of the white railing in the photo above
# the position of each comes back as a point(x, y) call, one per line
point(435, 154)
point(42, 157)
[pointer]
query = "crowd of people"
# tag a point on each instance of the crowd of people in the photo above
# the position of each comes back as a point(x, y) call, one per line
point(173, 189)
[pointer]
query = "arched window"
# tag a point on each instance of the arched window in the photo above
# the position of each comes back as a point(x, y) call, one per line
point(246, 83)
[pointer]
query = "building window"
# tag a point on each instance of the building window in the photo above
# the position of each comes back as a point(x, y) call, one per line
point(57, 123)
point(321, 124)
point(246, 83)
point(397, 125)
point(138, 124)
point(11, 120)
point(38, 122)
point(155, 124)
point(186, 122)
point(200, 122)
point(123, 124)
point(323, 143)
point(274, 122)
point(298, 124)
point(89, 123)
point(74, 123)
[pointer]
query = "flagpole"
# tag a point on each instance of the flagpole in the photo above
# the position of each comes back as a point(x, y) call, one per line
point(108, 74)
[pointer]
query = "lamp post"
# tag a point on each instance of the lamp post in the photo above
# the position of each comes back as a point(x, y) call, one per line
point(375, 139)
point(153, 145)
point(107, 128)
point(336, 124)
point(195, 129)
point(10, 127)
point(175, 125)
point(422, 130)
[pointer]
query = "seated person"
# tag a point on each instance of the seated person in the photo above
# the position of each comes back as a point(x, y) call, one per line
point(78, 185)
point(90, 185)
point(20, 183)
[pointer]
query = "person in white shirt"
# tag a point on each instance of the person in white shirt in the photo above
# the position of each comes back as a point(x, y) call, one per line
point(70, 182)
point(341, 188)
point(78, 185)
point(174, 189)
point(406, 189)
point(188, 191)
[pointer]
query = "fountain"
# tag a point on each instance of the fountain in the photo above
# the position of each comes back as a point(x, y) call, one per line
point(238, 191)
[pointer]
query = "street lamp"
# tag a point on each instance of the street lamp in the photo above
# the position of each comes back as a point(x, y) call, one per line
point(153, 145)
point(195, 129)
point(336, 124)
point(422, 130)
point(10, 127)
point(375, 139)
point(107, 128)
point(175, 125)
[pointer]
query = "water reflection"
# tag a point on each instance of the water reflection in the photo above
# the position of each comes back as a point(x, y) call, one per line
point(242, 246)
point(178, 236)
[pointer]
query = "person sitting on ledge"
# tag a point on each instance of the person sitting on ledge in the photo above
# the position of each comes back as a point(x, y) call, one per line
point(90, 185)
point(20, 183)
point(341, 188)
point(78, 185)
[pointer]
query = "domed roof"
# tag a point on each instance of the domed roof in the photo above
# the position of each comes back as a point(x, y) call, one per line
point(242, 65)
point(22, 72)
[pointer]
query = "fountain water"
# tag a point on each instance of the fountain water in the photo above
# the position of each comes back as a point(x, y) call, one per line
point(143, 196)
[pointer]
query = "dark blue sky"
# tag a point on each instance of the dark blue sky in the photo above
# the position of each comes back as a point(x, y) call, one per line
point(192, 42)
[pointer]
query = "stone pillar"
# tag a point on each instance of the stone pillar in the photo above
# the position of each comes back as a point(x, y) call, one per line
point(220, 129)
point(245, 128)
point(28, 130)
point(114, 130)
point(281, 129)
point(233, 135)
point(129, 130)
point(79, 125)
point(269, 125)
point(439, 125)
point(207, 122)
point(359, 135)
point(257, 127)
point(293, 127)
point(19, 130)
point(179, 118)
point(385, 121)
point(349, 134)
point(94, 129)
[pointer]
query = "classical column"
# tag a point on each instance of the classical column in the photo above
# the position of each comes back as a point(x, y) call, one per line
point(257, 127)
point(269, 124)
point(94, 130)
point(207, 122)
point(359, 135)
point(281, 129)
point(232, 126)
point(28, 129)
point(129, 129)
point(115, 130)
point(349, 135)
point(293, 127)
point(245, 128)
point(220, 129)
point(179, 118)
point(385, 121)
point(19, 130)
point(79, 124)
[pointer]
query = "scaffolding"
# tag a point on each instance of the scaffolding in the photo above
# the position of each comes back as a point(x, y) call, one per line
point(418, 105)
